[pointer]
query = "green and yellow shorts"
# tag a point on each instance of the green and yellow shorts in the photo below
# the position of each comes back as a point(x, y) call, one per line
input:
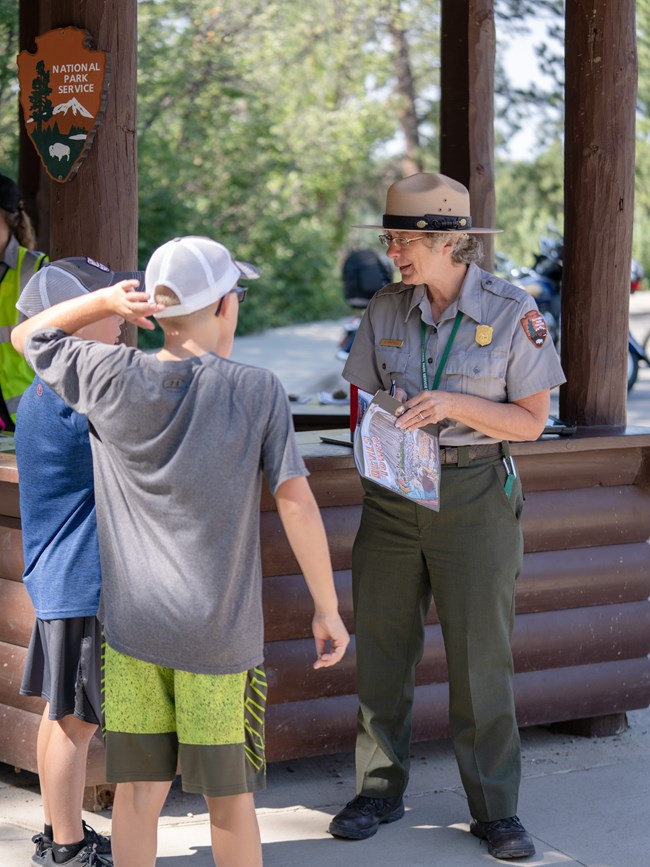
point(213, 724)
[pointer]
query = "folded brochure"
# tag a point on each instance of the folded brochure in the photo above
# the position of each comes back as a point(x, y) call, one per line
point(405, 462)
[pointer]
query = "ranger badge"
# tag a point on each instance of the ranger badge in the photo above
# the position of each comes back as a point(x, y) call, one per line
point(483, 335)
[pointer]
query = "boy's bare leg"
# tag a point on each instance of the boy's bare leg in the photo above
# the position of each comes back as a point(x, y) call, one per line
point(63, 749)
point(136, 810)
point(234, 831)
point(44, 732)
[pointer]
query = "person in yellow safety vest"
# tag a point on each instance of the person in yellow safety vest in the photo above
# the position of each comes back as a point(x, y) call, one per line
point(18, 262)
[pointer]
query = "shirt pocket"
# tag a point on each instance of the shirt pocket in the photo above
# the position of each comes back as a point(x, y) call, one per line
point(392, 363)
point(480, 372)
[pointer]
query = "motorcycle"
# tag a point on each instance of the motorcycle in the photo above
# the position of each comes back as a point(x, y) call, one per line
point(543, 282)
point(350, 328)
point(635, 354)
point(637, 276)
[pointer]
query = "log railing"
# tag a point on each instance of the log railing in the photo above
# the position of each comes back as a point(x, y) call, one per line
point(582, 633)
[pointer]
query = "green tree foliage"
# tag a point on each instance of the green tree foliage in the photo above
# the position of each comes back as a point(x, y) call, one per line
point(530, 197)
point(277, 124)
point(642, 186)
point(253, 124)
point(8, 87)
point(530, 193)
point(263, 123)
point(539, 103)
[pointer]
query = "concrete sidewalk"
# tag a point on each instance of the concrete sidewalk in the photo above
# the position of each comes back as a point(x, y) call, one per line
point(584, 801)
point(302, 356)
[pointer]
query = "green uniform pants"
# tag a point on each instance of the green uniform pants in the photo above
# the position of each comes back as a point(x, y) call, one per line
point(468, 556)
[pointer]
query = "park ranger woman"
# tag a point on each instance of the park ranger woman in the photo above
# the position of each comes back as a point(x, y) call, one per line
point(468, 351)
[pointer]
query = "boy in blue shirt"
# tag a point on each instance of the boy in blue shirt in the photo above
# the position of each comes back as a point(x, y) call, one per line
point(62, 577)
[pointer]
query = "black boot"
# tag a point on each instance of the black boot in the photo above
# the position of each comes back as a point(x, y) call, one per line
point(362, 816)
point(506, 838)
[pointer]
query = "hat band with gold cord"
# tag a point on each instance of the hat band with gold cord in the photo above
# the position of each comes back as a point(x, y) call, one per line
point(427, 221)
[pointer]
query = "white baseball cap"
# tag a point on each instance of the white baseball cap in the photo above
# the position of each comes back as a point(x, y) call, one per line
point(198, 270)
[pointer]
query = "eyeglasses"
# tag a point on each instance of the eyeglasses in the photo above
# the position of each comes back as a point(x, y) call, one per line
point(402, 243)
point(240, 292)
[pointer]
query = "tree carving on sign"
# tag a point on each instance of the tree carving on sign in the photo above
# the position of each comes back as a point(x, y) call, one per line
point(63, 91)
point(39, 101)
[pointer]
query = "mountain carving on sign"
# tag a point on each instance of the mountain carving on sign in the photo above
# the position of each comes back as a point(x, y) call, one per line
point(72, 105)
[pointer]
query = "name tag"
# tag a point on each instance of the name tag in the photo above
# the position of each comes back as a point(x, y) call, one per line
point(386, 342)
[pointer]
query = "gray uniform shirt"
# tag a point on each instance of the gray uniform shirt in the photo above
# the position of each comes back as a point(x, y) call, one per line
point(513, 365)
point(179, 449)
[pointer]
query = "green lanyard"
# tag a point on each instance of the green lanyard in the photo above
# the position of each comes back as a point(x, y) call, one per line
point(445, 354)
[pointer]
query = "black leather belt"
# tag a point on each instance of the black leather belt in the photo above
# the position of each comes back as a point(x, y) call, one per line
point(450, 454)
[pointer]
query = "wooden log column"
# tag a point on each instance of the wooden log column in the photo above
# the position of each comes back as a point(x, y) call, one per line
point(96, 213)
point(601, 76)
point(32, 180)
point(468, 48)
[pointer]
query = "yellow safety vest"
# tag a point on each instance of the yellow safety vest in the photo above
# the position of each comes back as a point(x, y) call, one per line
point(15, 373)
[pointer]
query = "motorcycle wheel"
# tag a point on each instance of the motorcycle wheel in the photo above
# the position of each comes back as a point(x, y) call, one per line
point(632, 369)
point(646, 344)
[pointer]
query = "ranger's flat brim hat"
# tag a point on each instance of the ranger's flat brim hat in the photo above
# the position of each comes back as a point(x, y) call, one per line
point(428, 202)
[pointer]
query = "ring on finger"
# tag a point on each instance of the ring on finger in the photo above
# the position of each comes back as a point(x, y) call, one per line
point(422, 416)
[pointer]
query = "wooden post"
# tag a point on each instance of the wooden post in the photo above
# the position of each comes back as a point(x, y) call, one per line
point(601, 78)
point(454, 90)
point(468, 52)
point(32, 179)
point(96, 213)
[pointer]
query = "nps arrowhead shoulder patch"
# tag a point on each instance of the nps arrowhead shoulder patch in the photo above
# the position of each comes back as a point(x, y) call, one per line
point(534, 326)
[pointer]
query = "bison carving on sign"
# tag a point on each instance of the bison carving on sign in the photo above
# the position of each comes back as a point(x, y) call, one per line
point(60, 150)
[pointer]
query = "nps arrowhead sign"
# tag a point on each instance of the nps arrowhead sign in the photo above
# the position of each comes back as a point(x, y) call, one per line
point(63, 91)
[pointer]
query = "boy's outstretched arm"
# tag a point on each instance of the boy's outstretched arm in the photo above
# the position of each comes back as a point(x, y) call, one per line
point(303, 525)
point(123, 300)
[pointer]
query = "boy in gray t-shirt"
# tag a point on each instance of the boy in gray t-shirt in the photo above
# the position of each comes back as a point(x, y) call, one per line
point(180, 443)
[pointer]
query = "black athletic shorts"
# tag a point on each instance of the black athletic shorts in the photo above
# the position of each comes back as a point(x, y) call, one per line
point(64, 667)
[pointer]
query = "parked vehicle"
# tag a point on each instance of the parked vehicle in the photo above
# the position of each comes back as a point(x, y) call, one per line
point(637, 276)
point(635, 354)
point(544, 281)
point(546, 293)
point(350, 328)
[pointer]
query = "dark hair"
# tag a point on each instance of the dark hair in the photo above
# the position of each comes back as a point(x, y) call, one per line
point(11, 207)
point(11, 199)
point(21, 228)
